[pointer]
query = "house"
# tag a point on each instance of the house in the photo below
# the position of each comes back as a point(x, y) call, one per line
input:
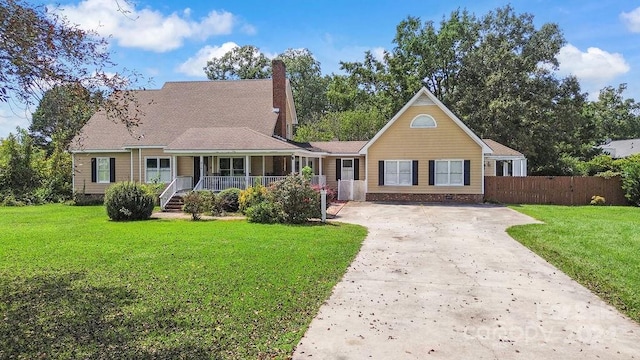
point(504, 161)
point(619, 149)
point(220, 134)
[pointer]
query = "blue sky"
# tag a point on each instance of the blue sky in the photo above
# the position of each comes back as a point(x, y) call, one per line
point(171, 40)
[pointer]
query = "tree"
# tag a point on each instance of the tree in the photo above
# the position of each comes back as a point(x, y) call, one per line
point(246, 62)
point(61, 114)
point(21, 167)
point(40, 49)
point(614, 116)
point(308, 85)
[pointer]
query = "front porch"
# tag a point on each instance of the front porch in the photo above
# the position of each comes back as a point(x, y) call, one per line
point(182, 184)
point(218, 172)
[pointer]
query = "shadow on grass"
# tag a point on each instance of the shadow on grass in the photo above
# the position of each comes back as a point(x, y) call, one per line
point(61, 316)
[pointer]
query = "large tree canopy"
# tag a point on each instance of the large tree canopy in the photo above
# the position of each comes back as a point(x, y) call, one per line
point(61, 114)
point(40, 49)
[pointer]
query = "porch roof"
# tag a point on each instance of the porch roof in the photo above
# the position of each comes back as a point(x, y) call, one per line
point(227, 139)
point(500, 150)
point(339, 147)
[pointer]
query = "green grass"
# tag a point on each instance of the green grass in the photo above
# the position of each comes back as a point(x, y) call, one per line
point(75, 285)
point(597, 246)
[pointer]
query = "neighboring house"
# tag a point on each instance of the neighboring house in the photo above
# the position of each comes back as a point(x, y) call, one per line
point(504, 161)
point(220, 134)
point(621, 148)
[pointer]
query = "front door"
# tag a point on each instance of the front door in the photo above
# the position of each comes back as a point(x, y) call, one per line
point(196, 170)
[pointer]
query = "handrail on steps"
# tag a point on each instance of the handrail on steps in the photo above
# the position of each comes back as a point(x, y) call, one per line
point(178, 184)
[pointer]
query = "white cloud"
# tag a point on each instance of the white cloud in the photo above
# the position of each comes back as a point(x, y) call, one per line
point(594, 68)
point(195, 64)
point(632, 20)
point(378, 53)
point(146, 29)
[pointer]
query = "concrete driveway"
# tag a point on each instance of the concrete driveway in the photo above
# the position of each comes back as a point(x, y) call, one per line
point(447, 282)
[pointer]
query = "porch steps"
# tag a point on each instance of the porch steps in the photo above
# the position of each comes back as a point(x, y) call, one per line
point(175, 204)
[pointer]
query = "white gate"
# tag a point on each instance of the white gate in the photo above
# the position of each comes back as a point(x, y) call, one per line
point(351, 190)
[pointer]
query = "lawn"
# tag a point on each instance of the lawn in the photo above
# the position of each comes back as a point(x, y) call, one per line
point(75, 285)
point(597, 246)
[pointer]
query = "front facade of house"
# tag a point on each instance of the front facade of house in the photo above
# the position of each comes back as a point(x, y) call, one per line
point(220, 134)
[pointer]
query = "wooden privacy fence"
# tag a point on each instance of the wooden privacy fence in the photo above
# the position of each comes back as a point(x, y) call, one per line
point(557, 190)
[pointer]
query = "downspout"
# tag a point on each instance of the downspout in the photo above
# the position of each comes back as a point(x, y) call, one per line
point(131, 163)
point(73, 172)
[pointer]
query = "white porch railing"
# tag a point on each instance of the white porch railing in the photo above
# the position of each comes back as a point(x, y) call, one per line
point(178, 184)
point(219, 183)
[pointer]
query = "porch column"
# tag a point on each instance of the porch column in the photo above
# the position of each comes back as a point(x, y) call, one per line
point(246, 170)
point(293, 164)
point(201, 167)
point(319, 165)
point(174, 162)
point(264, 173)
point(140, 165)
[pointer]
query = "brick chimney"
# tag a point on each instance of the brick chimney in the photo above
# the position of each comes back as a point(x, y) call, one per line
point(279, 79)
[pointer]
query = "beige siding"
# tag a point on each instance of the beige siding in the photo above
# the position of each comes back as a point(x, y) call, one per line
point(82, 175)
point(329, 169)
point(445, 142)
point(185, 166)
point(490, 167)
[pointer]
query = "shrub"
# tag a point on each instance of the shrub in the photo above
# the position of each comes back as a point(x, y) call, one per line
point(194, 204)
point(229, 199)
point(331, 194)
point(80, 199)
point(266, 212)
point(597, 200)
point(128, 201)
point(252, 196)
point(307, 173)
point(298, 201)
point(631, 182)
point(154, 189)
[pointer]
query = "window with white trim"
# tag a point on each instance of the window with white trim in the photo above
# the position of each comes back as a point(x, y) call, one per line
point(449, 172)
point(231, 166)
point(423, 121)
point(157, 169)
point(398, 172)
point(346, 172)
point(103, 170)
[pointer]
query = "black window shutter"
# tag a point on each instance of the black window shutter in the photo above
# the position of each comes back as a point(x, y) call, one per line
point(467, 172)
point(356, 169)
point(112, 170)
point(94, 170)
point(432, 172)
point(415, 172)
point(338, 169)
point(381, 172)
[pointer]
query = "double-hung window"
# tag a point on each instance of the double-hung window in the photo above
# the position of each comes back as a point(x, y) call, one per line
point(103, 170)
point(398, 172)
point(232, 166)
point(449, 172)
point(158, 169)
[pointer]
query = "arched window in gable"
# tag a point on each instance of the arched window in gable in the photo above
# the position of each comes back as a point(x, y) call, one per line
point(423, 121)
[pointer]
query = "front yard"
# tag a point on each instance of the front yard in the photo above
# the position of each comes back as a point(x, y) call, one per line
point(75, 285)
point(597, 246)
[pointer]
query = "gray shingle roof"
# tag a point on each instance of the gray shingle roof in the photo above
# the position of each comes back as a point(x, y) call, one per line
point(501, 150)
point(339, 147)
point(621, 148)
point(179, 106)
point(223, 138)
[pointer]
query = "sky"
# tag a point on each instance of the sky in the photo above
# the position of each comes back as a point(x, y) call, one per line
point(172, 40)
